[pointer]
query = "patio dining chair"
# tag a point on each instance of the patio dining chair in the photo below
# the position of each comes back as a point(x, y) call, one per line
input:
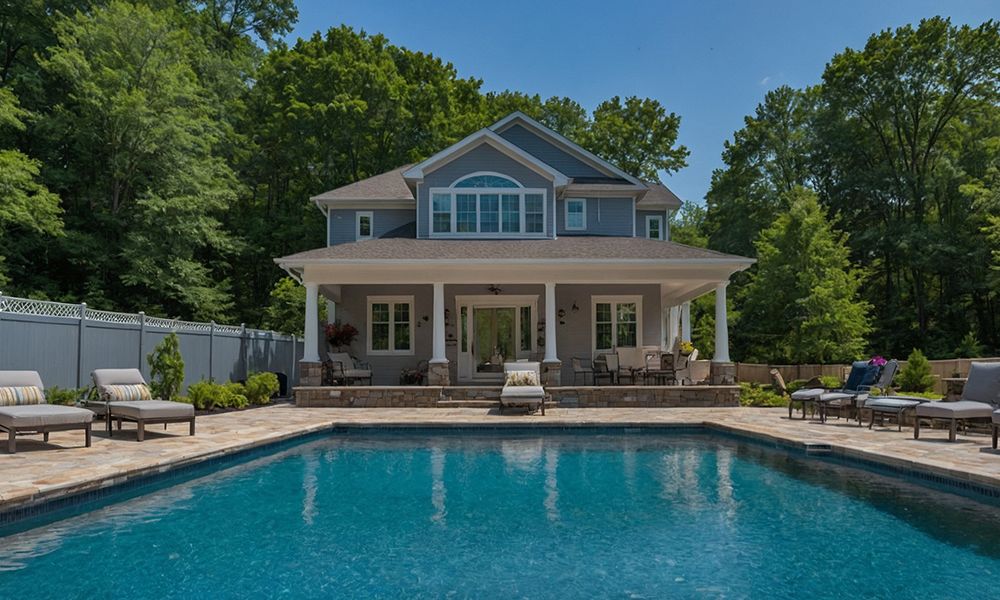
point(606, 367)
point(581, 371)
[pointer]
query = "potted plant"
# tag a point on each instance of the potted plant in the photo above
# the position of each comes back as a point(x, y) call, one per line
point(340, 334)
point(686, 348)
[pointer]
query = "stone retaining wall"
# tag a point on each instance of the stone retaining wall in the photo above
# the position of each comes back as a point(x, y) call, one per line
point(572, 397)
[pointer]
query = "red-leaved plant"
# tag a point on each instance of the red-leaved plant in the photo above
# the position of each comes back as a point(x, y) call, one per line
point(340, 334)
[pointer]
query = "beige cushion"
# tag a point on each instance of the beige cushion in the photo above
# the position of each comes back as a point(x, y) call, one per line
point(963, 409)
point(521, 378)
point(357, 373)
point(103, 377)
point(151, 409)
point(40, 415)
point(522, 393)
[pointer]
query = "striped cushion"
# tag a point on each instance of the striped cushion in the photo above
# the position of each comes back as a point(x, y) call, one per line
point(16, 396)
point(126, 393)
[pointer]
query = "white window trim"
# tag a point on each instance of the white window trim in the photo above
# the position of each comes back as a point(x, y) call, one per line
point(595, 300)
point(566, 215)
point(650, 219)
point(521, 192)
point(357, 225)
point(391, 300)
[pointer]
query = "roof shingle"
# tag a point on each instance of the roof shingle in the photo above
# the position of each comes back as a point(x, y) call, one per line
point(386, 186)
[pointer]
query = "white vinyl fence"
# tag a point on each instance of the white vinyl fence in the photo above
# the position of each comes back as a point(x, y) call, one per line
point(65, 342)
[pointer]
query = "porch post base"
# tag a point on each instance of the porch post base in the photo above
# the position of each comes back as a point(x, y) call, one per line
point(438, 373)
point(552, 373)
point(722, 373)
point(310, 373)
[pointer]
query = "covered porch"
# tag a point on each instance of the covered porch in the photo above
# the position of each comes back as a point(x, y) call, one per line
point(466, 315)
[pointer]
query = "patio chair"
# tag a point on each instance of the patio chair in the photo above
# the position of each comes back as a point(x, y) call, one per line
point(126, 397)
point(660, 368)
point(23, 410)
point(348, 369)
point(980, 399)
point(859, 382)
point(606, 367)
point(580, 371)
point(522, 387)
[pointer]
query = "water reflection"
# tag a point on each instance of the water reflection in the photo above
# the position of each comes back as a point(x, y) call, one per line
point(309, 484)
point(438, 492)
point(552, 484)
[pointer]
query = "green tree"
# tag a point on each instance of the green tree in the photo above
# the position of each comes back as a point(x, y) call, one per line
point(638, 136)
point(26, 205)
point(140, 145)
point(916, 376)
point(802, 302)
point(166, 368)
point(286, 308)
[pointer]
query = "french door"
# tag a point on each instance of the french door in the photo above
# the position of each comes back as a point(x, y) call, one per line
point(494, 330)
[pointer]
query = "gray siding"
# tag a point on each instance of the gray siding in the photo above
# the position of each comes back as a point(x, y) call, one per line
point(573, 335)
point(343, 227)
point(605, 216)
point(640, 223)
point(52, 346)
point(535, 145)
point(482, 158)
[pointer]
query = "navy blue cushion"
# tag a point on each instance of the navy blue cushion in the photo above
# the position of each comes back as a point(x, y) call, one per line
point(859, 373)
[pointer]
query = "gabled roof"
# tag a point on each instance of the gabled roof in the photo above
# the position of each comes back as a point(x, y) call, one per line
point(659, 195)
point(485, 136)
point(386, 186)
point(559, 140)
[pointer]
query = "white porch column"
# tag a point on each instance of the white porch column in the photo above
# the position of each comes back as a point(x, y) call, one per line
point(310, 351)
point(686, 322)
point(721, 325)
point(672, 330)
point(550, 323)
point(438, 372)
point(438, 353)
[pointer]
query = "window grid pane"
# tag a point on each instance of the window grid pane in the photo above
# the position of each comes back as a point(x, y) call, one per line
point(465, 209)
point(486, 181)
point(574, 214)
point(534, 213)
point(441, 207)
point(511, 213)
point(489, 213)
point(365, 226)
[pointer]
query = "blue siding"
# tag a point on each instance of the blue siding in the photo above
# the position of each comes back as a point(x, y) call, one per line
point(640, 215)
point(605, 216)
point(535, 145)
point(481, 158)
point(343, 227)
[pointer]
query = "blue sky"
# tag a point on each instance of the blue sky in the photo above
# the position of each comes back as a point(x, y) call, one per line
point(710, 62)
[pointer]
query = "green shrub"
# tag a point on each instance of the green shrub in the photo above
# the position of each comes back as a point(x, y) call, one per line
point(916, 375)
point(260, 387)
point(754, 394)
point(207, 395)
point(64, 396)
point(166, 368)
point(969, 347)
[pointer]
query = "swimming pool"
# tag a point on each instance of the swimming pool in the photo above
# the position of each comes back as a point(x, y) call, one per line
point(504, 514)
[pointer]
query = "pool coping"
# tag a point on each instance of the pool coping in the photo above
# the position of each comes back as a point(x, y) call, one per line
point(56, 498)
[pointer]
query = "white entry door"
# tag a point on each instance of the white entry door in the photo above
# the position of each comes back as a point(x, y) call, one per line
point(494, 330)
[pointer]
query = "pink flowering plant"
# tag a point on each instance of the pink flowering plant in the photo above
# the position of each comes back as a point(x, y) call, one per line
point(878, 361)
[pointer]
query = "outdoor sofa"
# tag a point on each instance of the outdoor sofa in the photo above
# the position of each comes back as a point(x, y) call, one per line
point(980, 399)
point(522, 387)
point(23, 410)
point(124, 396)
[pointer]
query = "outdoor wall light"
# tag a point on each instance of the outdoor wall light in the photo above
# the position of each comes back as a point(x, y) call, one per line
point(575, 308)
point(493, 289)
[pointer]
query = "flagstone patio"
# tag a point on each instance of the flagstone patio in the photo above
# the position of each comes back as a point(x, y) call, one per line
point(40, 472)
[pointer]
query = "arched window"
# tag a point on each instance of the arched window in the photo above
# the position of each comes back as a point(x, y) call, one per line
point(487, 204)
point(486, 181)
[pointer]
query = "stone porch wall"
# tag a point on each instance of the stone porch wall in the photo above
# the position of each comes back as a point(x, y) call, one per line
point(570, 397)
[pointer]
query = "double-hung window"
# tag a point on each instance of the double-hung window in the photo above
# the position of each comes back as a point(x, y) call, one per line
point(617, 322)
point(654, 227)
point(390, 324)
point(363, 225)
point(489, 205)
point(576, 214)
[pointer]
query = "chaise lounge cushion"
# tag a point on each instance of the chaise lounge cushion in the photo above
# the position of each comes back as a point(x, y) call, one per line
point(893, 402)
point(522, 392)
point(152, 409)
point(996, 417)
point(983, 384)
point(42, 415)
point(963, 409)
point(808, 394)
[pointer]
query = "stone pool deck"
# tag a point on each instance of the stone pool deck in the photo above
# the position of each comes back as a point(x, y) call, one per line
point(41, 472)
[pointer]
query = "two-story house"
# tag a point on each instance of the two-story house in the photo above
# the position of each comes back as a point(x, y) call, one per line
point(513, 243)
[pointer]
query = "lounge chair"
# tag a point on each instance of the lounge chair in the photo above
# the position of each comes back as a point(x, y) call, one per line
point(345, 368)
point(124, 396)
point(860, 381)
point(522, 387)
point(980, 398)
point(606, 366)
point(23, 410)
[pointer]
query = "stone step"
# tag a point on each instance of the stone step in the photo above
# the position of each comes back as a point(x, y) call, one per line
point(467, 403)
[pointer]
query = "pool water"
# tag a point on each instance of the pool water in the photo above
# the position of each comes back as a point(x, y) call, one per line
point(553, 515)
